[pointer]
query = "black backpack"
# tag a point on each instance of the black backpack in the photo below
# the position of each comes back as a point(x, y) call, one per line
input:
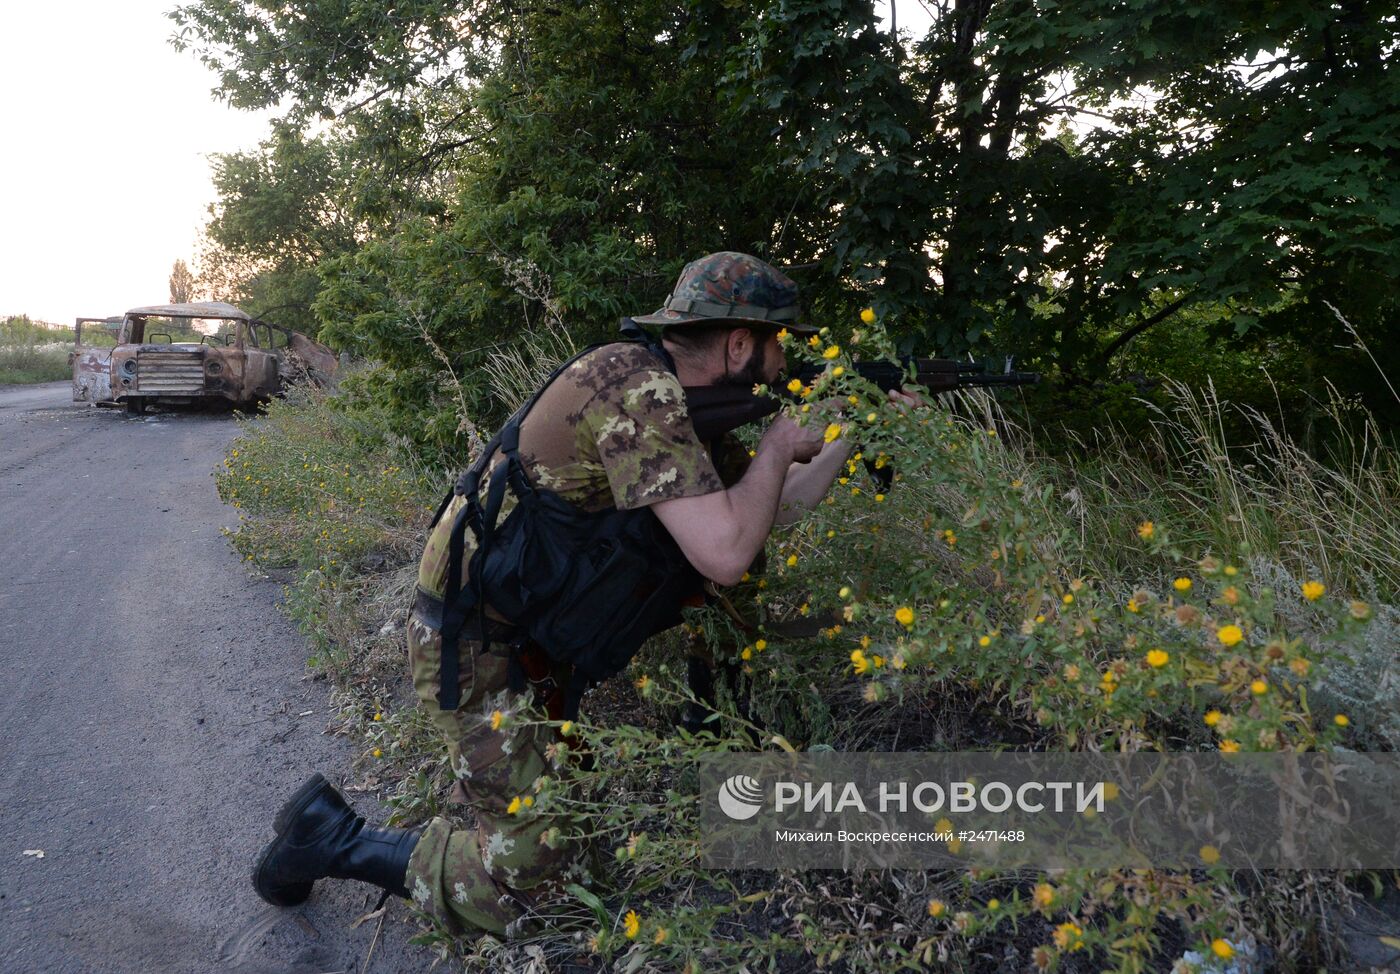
point(588, 588)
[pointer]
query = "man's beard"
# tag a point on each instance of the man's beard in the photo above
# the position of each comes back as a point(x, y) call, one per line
point(748, 375)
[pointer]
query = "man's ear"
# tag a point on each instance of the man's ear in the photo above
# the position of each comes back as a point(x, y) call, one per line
point(740, 343)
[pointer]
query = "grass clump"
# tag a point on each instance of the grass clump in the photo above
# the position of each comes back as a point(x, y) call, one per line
point(30, 362)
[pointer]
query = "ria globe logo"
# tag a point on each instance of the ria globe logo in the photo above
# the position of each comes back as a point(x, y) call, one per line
point(740, 797)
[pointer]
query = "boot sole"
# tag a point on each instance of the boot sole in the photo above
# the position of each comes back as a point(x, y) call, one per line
point(296, 893)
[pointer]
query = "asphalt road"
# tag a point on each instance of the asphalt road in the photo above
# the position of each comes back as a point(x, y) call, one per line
point(156, 710)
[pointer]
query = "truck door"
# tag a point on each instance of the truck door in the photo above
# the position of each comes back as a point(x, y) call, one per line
point(91, 359)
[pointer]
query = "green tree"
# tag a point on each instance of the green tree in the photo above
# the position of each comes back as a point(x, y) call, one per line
point(280, 213)
point(182, 284)
point(1052, 180)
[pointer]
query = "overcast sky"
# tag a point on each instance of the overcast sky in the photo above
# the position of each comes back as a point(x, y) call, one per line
point(103, 175)
point(104, 136)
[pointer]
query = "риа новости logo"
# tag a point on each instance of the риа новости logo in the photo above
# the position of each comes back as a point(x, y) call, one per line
point(740, 797)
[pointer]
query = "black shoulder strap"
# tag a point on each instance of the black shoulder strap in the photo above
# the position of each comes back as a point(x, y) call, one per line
point(633, 332)
point(457, 602)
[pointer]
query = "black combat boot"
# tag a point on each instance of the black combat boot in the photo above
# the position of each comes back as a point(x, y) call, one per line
point(319, 836)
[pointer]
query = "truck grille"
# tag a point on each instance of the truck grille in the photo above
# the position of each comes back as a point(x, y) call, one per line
point(170, 373)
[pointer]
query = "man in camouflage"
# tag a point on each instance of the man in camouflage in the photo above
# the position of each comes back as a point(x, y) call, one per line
point(611, 431)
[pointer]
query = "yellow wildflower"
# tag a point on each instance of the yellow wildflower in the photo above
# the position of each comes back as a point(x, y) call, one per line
point(1231, 595)
point(497, 718)
point(831, 351)
point(904, 616)
point(936, 908)
point(859, 662)
point(1229, 746)
point(1229, 635)
point(792, 561)
point(1157, 658)
point(993, 903)
point(1221, 948)
point(1341, 720)
point(632, 924)
point(870, 417)
point(867, 315)
point(814, 342)
point(1182, 584)
point(1210, 855)
point(1299, 666)
point(1146, 529)
point(747, 653)
point(566, 728)
point(377, 753)
point(984, 641)
point(1258, 688)
point(1231, 570)
point(1212, 717)
point(795, 385)
point(514, 807)
point(1312, 591)
point(839, 371)
point(879, 498)
point(833, 430)
point(782, 334)
point(761, 645)
point(1044, 896)
point(845, 592)
point(661, 935)
point(1067, 599)
point(1067, 936)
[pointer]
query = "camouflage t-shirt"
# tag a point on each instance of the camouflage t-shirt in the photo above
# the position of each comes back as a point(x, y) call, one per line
point(611, 431)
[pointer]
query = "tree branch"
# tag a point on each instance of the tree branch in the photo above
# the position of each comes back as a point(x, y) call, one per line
point(1162, 314)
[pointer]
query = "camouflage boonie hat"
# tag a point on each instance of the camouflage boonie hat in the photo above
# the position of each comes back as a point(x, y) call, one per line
point(729, 286)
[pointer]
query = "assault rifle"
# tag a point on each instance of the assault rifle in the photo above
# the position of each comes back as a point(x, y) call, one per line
point(719, 409)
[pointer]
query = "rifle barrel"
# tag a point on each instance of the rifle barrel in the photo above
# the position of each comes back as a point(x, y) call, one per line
point(1000, 379)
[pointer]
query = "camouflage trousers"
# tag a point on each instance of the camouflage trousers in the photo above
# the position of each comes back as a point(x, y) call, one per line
point(488, 876)
point(484, 877)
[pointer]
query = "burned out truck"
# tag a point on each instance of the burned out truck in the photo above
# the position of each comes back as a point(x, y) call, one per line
point(241, 362)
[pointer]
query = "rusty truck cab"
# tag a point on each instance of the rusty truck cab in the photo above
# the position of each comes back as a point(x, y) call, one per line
point(241, 361)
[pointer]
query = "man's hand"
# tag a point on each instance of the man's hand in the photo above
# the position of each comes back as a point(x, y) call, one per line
point(906, 398)
point(801, 443)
